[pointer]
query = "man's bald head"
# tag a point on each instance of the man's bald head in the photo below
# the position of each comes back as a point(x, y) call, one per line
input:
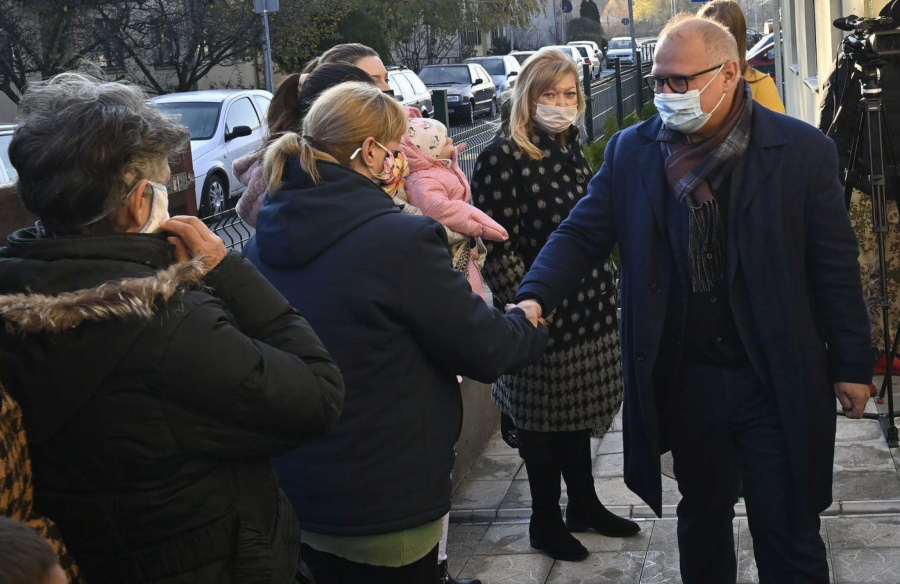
point(719, 44)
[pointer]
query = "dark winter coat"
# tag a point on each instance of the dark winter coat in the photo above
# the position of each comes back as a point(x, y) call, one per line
point(154, 403)
point(401, 323)
point(578, 383)
point(792, 276)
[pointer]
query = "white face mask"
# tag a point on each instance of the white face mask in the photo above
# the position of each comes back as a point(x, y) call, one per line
point(159, 211)
point(683, 112)
point(554, 119)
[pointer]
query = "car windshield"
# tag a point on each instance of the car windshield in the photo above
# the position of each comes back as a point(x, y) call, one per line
point(760, 46)
point(200, 118)
point(443, 75)
point(4, 157)
point(493, 66)
point(620, 44)
point(522, 57)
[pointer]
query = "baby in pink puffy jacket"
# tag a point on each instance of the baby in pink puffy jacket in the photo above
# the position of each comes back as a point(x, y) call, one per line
point(439, 188)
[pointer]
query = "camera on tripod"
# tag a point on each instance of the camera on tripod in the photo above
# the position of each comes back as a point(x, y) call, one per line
point(872, 38)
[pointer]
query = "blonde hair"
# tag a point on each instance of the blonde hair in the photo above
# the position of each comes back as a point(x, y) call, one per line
point(729, 14)
point(541, 72)
point(338, 122)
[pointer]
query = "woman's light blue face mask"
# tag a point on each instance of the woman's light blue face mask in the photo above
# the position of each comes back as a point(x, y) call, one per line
point(683, 112)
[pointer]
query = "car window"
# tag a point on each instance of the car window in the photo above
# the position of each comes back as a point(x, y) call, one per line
point(392, 81)
point(445, 74)
point(416, 83)
point(620, 44)
point(241, 113)
point(582, 50)
point(200, 118)
point(522, 57)
point(492, 66)
point(4, 157)
point(406, 89)
point(484, 75)
point(263, 103)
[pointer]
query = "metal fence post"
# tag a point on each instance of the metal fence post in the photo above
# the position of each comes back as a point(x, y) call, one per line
point(620, 95)
point(639, 93)
point(588, 104)
point(441, 111)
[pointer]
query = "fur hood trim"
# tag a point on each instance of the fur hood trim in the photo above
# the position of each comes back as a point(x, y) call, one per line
point(40, 313)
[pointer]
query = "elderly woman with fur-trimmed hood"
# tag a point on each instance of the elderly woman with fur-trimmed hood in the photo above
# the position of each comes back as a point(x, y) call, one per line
point(157, 373)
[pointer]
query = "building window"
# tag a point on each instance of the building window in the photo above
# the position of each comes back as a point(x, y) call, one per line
point(795, 38)
point(165, 52)
point(809, 24)
point(112, 53)
point(472, 37)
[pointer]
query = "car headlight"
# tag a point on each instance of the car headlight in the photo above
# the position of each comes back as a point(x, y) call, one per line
point(452, 98)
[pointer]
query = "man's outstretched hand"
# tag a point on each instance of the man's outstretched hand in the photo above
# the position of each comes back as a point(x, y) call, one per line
point(532, 310)
point(853, 398)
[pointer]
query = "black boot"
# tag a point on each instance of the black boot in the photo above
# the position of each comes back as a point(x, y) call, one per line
point(547, 532)
point(446, 578)
point(585, 511)
point(583, 515)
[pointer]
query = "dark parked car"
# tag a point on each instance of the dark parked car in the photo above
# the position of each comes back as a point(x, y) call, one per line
point(409, 90)
point(762, 56)
point(470, 90)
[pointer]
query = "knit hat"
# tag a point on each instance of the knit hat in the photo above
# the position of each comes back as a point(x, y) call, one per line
point(427, 135)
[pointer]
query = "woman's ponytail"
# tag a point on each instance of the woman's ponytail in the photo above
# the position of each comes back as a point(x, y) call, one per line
point(291, 144)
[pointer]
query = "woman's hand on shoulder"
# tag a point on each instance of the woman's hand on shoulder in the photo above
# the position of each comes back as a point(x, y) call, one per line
point(192, 238)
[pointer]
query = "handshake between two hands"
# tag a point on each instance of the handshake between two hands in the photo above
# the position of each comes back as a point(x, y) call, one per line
point(532, 311)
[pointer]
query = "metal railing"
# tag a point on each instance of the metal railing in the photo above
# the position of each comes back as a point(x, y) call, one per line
point(231, 228)
point(617, 96)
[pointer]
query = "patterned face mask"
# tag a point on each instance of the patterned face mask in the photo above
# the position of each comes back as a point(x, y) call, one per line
point(394, 162)
point(399, 172)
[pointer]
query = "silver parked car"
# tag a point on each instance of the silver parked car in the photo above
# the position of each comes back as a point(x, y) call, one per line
point(224, 125)
point(503, 70)
point(620, 49)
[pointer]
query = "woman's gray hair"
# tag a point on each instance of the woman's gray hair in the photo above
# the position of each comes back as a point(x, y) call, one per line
point(81, 145)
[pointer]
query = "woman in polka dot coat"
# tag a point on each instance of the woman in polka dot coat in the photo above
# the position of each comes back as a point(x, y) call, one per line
point(528, 179)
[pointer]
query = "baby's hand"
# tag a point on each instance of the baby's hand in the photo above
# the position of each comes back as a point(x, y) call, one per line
point(461, 147)
point(474, 254)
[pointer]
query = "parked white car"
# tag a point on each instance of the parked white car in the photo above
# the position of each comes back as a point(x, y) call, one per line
point(620, 49)
point(589, 58)
point(224, 125)
point(573, 53)
point(8, 174)
point(522, 56)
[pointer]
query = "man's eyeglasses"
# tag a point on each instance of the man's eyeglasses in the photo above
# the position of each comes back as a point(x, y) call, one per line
point(677, 83)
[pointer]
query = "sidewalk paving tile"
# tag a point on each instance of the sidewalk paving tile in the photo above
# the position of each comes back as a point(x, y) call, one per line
point(858, 486)
point(863, 532)
point(496, 445)
point(461, 543)
point(502, 540)
point(866, 565)
point(609, 465)
point(514, 569)
point(594, 542)
point(600, 568)
point(479, 495)
point(519, 496)
point(858, 430)
point(747, 573)
point(612, 444)
point(661, 567)
point(496, 467)
point(863, 456)
point(612, 491)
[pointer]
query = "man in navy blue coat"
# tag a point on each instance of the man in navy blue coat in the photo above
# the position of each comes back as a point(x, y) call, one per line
point(742, 307)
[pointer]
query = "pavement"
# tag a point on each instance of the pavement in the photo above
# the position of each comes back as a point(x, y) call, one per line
point(489, 519)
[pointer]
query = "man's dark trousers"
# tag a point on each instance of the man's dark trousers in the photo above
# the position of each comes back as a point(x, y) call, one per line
point(725, 428)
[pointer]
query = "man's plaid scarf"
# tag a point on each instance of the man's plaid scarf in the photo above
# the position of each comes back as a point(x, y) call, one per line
point(695, 171)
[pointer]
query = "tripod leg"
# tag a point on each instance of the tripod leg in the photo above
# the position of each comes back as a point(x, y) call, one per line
point(879, 226)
